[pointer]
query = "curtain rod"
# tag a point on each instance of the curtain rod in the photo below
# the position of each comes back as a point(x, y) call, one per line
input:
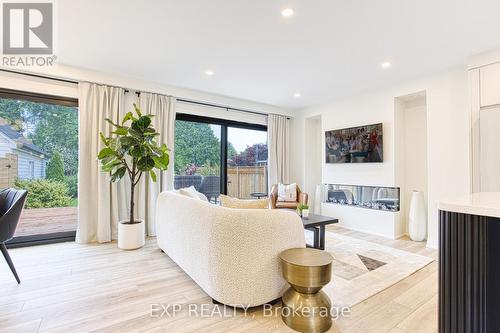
point(179, 99)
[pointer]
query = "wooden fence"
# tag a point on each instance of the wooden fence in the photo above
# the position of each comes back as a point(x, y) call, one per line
point(8, 170)
point(243, 180)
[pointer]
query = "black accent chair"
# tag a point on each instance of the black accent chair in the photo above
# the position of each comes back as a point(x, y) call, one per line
point(210, 186)
point(181, 181)
point(11, 206)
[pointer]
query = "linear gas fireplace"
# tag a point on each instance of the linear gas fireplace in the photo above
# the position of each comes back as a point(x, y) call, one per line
point(370, 197)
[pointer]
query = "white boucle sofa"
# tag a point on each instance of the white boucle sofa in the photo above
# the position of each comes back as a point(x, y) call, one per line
point(232, 254)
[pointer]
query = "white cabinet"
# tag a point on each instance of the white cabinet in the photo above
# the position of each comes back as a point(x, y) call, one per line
point(490, 84)
point(489, 162)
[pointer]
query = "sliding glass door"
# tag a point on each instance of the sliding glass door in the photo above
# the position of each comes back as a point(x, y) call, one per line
point(198, 157)
point(39, 153)
point(246, 163)
point(220, 156)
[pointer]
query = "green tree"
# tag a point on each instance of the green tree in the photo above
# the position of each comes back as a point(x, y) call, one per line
point(53, 128)
point(195, 143)
point(55, 168)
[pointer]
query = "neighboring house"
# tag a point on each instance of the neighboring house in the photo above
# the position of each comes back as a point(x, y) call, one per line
point(31, 159)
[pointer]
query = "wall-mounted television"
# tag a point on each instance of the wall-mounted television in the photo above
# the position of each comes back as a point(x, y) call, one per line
point(362, 144)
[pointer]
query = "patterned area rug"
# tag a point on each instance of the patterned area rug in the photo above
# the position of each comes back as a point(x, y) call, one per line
point(362, 269)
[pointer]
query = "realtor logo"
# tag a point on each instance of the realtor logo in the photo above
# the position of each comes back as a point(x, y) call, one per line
point(27, 28)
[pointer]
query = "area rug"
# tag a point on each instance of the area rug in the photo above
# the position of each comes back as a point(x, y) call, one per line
point(362, 269)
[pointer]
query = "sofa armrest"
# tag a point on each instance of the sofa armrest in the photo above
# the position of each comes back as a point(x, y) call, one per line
point(273, 198)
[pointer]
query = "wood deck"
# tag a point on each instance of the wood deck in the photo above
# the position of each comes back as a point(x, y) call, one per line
point(47, 220)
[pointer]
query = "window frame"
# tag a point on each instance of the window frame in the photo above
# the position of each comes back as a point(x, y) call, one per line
point(224, 124)
point(58, 237)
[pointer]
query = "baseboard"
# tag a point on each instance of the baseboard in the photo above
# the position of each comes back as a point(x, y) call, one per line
point(366, 232)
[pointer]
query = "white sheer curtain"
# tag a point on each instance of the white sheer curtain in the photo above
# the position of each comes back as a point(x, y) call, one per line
point(101, 204)
point(278, 140)
point(163, 109)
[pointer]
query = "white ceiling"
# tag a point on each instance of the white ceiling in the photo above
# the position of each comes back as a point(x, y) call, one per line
point(329, 49)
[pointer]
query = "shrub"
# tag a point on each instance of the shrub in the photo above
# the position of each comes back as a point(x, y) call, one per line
point(55, 168)
point(72, 184)
point(44, 193)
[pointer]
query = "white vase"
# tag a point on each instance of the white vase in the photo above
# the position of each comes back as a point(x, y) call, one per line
point(305, 213)
point(131, 236)
point(318, 199)
point(417, 226)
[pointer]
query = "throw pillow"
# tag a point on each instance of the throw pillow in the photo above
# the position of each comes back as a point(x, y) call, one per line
point(229, 202)
point(287, 193)
point(192, 193)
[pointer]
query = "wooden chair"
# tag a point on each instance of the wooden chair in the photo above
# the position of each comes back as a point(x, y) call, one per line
point(302, 198)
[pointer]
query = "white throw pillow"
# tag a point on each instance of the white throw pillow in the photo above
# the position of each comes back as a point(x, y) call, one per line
point(192, 193)
point(287, 193)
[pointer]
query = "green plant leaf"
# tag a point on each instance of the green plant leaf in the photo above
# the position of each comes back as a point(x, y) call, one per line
point(137, 110)
point(118, 174)
point(111, 122)
point(121, 131)
point(127, 117)
point(105, 152)
point(153, 175)
point(145, 163)
point(103, 138)
point(161, 162)
point(111, 165)
point(137, 151)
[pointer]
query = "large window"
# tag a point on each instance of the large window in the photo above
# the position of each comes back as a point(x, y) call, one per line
point(39, 153)
point(218, 156)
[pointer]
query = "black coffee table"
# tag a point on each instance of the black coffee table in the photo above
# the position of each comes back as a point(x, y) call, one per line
point(316, 224)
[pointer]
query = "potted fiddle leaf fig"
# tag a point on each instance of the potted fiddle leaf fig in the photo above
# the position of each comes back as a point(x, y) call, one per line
point(132, 151)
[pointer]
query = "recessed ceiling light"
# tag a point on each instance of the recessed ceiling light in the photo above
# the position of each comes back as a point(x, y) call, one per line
point(209, 72)
point(297, 95)
point(386, 65)
point(287, 12)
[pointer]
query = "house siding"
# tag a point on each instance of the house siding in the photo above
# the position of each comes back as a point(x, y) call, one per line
point(24, 160)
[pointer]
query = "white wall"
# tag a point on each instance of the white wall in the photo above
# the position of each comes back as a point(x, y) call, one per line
point(312, 157)
point(411, 151)
point(448, 139)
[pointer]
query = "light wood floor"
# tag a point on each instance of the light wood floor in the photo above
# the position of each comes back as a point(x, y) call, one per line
point(81, 288)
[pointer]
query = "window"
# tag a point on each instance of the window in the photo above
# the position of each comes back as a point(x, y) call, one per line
point(220, 156)
point(31, 167)
point(39, 148)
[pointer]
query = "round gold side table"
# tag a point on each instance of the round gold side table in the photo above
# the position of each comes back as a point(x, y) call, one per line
point(306, 308)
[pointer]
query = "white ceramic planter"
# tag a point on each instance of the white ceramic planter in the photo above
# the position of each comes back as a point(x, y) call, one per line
point(417, 226)
point(131, 236)
point(305, 213)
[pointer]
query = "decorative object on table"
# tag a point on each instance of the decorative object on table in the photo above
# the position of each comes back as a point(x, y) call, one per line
point(417, 226)
point(301, 198)
point(11, 206)
point(307, 271)
point(362, 144)
point(230, 202)
point(300, 210)
point(132, 151)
